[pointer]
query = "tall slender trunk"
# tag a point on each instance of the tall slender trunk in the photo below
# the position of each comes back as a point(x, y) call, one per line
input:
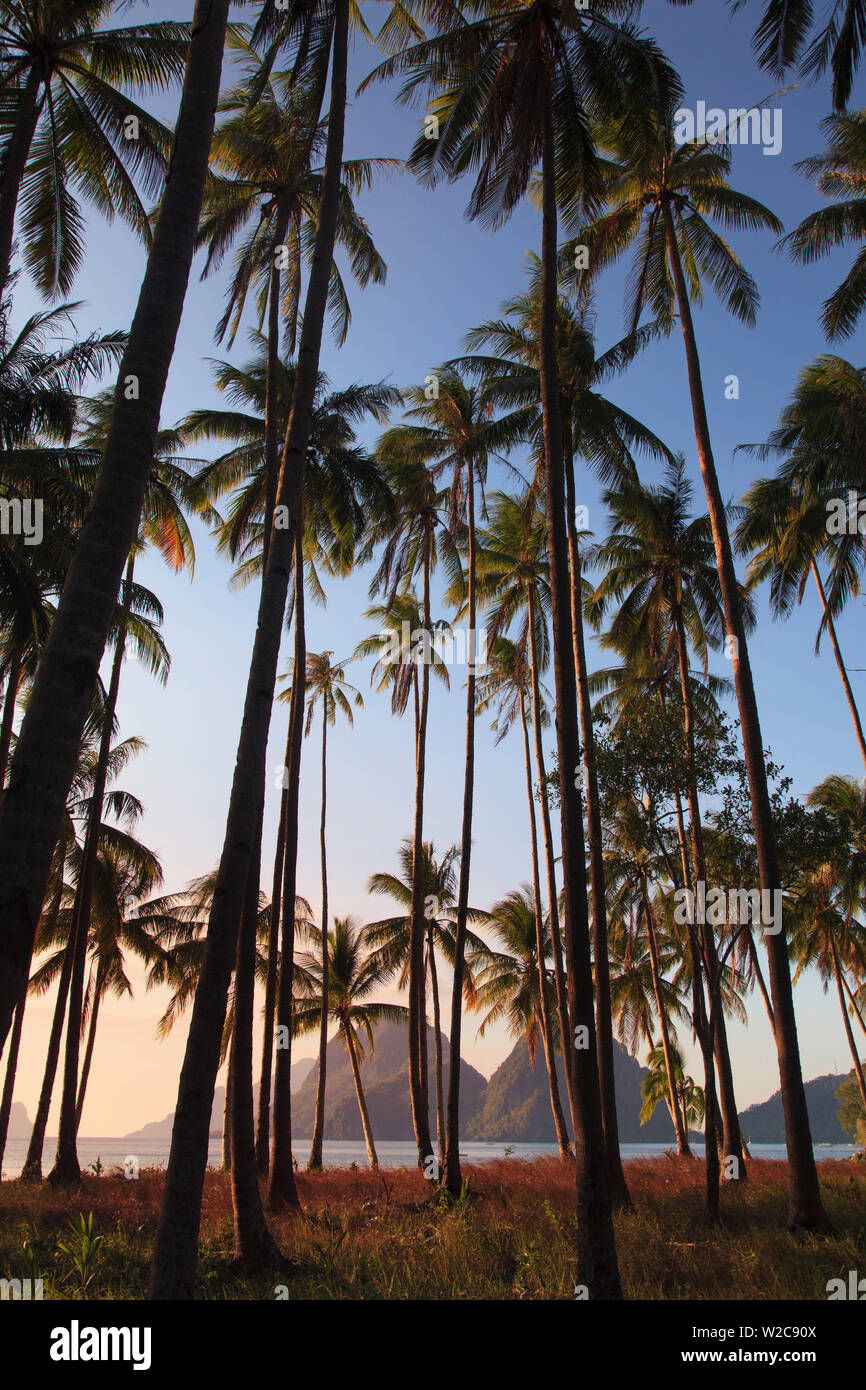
point(33, 1161)
point(453, 1178)
point(596, 1248)
point(263, 1119)
point(66, 1166)
point(603, 1011)
point(362, 1104)
point(731, 1138)
point(805, 1209)
point(9, 1080)
point(228, 1108)
point(843, 674)
point(547, 1029)
point(550, 860)
point(849, 1032)
point(13, 679)
point(282, 1188)
point(853, 1003)
point(14, 164)
point(254, 1246)
point(319, 1123)
point(655, 969)
point(437, 1043)
point(759, 976)
point(176, 1245)
point(417, 973)
point(46, 753)
point(98, 986)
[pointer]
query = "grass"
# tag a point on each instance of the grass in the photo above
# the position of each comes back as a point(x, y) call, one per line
point(365, 1235)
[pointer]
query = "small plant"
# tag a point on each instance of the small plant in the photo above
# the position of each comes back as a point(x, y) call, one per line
point(97, 1168)
point(82, 1250)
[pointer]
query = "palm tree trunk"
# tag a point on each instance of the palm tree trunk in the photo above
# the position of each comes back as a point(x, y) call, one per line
point(843, 674)
point(282, 1188)
point(417, 973)
point(9, 1080)
point(362, 1104)
point(546, 1026)
point(550, 862)
point(13, 678)
point(263, 1119)
point(228, 1108)
point(66, 1166)
point(453, 1179)
point(853, 1003)
point(437, 1031)
point(14, 164)
point(98, 986)
point(805, 1209)
point(849, 1032)
point(603, 1013)
point(49, 739)
point(177, 1237)
point(33, 1161)
point(254, 1246)
point(759, 976)
point(673, 1098)
point(319, 1124)
point(596, 1248)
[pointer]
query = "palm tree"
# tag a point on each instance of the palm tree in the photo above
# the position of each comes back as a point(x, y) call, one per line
point(511, 985)
point(390, 937)
point(656, 1087)
point(326, 686)
point(662, 194)
point(50, 734)
point(841, 170)
point(68, 118)
point(784, 520)
point(509, 684)
point(505, 98)
point(659, 570)
point(351, 975)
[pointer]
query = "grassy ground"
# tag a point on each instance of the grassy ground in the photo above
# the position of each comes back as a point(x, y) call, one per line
point(383, 1236)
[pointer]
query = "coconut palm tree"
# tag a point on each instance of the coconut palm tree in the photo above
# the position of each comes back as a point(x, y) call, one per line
point(840, 170)
point(69, 119)
point(50, 734)
point(661, 195)
point(326, 686)
point(508, 685)
point(656, 1087)
point(352, 974)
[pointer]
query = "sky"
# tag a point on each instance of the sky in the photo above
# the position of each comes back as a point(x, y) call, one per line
point(445, 275)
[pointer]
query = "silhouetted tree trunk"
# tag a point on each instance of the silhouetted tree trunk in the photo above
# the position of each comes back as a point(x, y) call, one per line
point(14, 164)
point(9, 1080)
point(417, 973)
point(13, 678)
point(263, 1121)
point(319, 1122)
point(362, 1104)
point(840, 664)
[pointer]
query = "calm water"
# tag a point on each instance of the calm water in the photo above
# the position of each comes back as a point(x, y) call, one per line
point(340, 1153)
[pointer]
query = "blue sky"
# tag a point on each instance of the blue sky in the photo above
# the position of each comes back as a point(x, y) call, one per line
point(445, 275)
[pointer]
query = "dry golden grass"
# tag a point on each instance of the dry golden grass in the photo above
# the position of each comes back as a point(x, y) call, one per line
point(385, 1235)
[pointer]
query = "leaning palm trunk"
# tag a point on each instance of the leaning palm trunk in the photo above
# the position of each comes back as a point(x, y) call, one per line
point(840, 664)
point(13, 677)
point(9, 1080)
point(33, 1161)
point(550, 864)
point(66, 1166)
point(547, 1029)
point(227, 1110)
point(359, 1092)
point(282, 1188)
point(603, 1011)
point(254, 1246)
point(452, 1142)
point(49, 739)
point(263, 1118)
point(96, 1000)
point(319, 1122)
point(673, 1098)
point(805, 1208)
point(417, 973)
point(596, 1248)
point(177, 1237)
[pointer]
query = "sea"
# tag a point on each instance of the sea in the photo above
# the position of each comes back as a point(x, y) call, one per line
point(107, 1155)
